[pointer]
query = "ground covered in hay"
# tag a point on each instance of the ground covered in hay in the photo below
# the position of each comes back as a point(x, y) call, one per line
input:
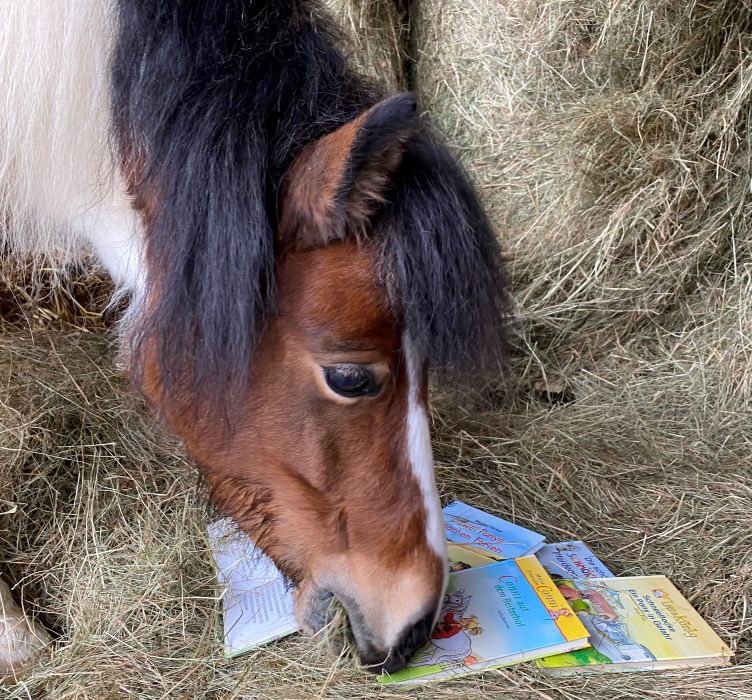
point(610, 141)
point(108, 544)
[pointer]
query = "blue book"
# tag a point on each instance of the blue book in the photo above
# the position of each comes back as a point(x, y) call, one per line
point(493, 616)
point(467, 525)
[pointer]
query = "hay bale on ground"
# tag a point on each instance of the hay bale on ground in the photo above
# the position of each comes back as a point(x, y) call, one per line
point(609, 141)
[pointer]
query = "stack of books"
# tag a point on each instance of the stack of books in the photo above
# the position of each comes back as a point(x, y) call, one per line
point(511, 598)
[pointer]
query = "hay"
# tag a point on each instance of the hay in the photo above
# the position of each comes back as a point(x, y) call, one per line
point(610, 142)
point(109, 548)
point(374, 38)
point(72, 295)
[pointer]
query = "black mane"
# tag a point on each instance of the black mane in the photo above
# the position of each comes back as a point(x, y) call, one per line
point(213, 99)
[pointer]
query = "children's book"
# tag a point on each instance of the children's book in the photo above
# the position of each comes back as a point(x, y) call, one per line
point(571, 560)
point(257, 602)
point(466, 556)
point(493, 616)
point(637, 623)
point(467, 525)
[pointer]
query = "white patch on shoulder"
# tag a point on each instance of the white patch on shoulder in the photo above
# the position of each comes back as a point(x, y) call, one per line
point(420, 452)
point(60, 186)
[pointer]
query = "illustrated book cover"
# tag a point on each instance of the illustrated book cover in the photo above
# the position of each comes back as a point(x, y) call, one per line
point(636, 623)
point(467, 525)
point(571, 560)
point(492, 616)
point(466, 556)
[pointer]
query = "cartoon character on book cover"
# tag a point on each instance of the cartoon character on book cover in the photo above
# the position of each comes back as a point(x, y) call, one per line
point(601, 611)
point(464, 556)
point(452, 637)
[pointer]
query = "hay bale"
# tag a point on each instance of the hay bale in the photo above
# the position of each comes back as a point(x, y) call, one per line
point(374, 38)
point(609, 141)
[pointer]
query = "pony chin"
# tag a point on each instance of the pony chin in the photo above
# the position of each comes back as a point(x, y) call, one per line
point(312, 607)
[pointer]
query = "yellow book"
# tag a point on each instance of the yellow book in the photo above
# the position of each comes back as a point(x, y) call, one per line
point(636, 623)
point(492, 616)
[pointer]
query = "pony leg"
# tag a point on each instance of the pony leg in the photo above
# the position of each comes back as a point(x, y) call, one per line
point(21, 640)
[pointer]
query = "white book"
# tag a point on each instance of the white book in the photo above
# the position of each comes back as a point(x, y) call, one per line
point(572, 560)
point(257, 602)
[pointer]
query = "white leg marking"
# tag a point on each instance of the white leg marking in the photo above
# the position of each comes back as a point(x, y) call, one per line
point(21, 640)
point(420, 452)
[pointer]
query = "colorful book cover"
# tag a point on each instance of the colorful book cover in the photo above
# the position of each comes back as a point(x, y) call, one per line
point(571, 560)
point(636, 623)
point(467, 525)
point(257, 602)
point(466, 556)
point(493, 616)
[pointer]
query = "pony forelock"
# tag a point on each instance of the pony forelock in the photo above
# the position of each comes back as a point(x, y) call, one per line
point(207, 119)
point(444, 267)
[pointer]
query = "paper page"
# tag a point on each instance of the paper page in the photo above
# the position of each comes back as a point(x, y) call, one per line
point(257, 603)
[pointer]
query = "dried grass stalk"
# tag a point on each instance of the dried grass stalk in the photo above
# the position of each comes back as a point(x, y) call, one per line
point(374, 38)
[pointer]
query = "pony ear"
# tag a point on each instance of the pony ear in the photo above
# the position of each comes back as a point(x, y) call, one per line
point(339, 181)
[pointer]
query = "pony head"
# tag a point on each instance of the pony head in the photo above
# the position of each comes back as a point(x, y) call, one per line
point(383, 265)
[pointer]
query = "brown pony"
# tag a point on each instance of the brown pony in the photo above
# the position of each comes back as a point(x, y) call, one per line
point(297, 251)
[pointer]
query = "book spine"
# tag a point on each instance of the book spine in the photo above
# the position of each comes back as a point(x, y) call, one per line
point(561, 613)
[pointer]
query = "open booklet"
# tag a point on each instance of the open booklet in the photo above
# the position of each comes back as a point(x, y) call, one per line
point(257, 601)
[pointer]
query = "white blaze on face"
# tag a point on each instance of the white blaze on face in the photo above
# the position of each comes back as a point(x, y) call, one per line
point(387, 601)
point(420, 452)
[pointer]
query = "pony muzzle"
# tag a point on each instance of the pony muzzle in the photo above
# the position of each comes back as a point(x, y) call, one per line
point(376, 659)
point(385, 633)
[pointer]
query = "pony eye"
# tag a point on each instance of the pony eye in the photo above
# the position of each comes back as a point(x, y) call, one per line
point(350, 381)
